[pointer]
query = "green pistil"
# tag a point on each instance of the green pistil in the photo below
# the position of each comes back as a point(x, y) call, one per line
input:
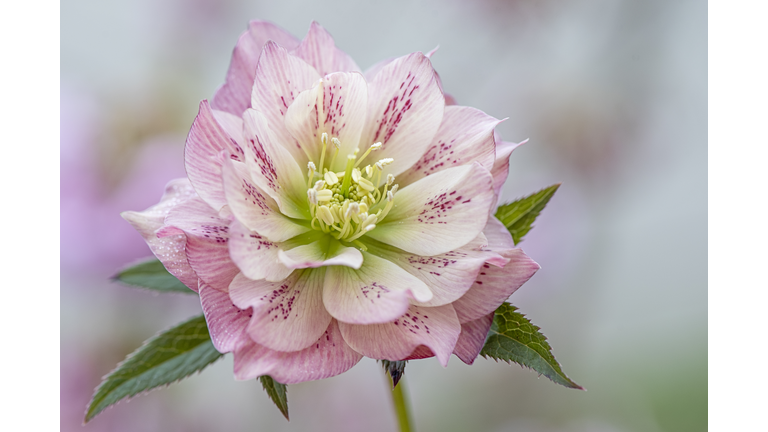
point(348, 175)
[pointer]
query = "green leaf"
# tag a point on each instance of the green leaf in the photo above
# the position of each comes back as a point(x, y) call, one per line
point(277, 392)
point(395, 369)
point(518, 216)
point(162, 360)
point(151, 274)
point(513, 338)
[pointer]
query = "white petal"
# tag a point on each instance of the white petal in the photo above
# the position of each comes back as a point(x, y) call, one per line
point(438, 213)
point(254, 255)
point(287, 315)
point(378, 292)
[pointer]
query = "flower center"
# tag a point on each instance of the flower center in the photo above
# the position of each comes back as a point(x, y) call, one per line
point(348, 204)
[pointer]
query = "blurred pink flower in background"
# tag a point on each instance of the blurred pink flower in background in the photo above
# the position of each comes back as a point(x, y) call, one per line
point(302, 274)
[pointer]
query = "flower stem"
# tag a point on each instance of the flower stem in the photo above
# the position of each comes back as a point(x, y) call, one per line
point(401, 407)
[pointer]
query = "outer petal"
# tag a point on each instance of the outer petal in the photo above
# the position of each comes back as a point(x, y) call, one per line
point(287, 315)
point(207, 238)
point(438, 213)
point(319, 50)
point(273, 169)
point(376, 293)
point(494, 285)
point(465, 136)
point(500, 168)
point(472, 338)
point(498, 236)
point(254, 255)
point(234, 96)
point(436, 327)
point(320, 254)
point(371, 72)
point(280, 77)
point(328, 357)
point(405, 108)
point(254, 208)
point(336, 105)
point(447, 275)
point(226, 322)
point(206, 139)
point(170, 249)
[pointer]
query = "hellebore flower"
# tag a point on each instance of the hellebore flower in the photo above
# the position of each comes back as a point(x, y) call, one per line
point(331, 214)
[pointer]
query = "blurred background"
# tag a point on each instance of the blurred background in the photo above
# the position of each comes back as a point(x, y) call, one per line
point(612, 95)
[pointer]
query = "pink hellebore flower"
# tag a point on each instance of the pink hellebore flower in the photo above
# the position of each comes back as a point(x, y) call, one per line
point(331, 214)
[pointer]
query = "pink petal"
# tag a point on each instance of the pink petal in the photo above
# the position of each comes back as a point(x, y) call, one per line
point(235, 95)
point(253, 207)
point(472, 338)
point(498, 235)
point(337, 106)
point(280, 77)
point(371, 72)
point(207, 236)
point(206, 139)
point(500, 168)
point(287, 315)
point(319, 254)
point(254, 255)
point(328, 357)
point(319, 50)
point(494, 285)
point(169, 249)
point(447, 275)
point(273, 169)
point(465, 136)
point(435, 327)
point(438, 213)
point(405, 108)
point(378, 292)
point(226, 322)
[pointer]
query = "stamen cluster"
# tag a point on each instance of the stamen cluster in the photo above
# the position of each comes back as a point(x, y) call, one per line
point(348, 204)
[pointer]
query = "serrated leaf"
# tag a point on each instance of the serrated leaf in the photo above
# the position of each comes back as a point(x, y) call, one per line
point(513, 338)
point(151, 274)
point(277, 392)
point(395, 369)
point(518, 216)
point(163, 359)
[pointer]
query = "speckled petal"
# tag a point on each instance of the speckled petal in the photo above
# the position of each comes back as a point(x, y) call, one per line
point(438, 213)
point(494, 285)
point(465, 136)
point(170, 248)
point(234, 96)
point(254, 208)
point(327, 357)
point(319, 50)
point(206, 140)
point(336, 106)
point(435, 327)
point(280, 77)
point(255, 255)
point(226, 322)
point(287, 315)
point(472, 338)
point(405, 109)
point(207, 241)
point(378, 292)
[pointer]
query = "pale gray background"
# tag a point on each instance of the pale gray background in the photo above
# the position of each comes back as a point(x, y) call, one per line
point(612, 95)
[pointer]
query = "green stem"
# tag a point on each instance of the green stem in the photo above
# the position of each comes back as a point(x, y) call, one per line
point(401, 407)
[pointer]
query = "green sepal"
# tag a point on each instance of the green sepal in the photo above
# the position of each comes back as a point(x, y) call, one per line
point(277, 392)
point(518, 216)
point(513, 338)
point(151, 274)
point(162, 360)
